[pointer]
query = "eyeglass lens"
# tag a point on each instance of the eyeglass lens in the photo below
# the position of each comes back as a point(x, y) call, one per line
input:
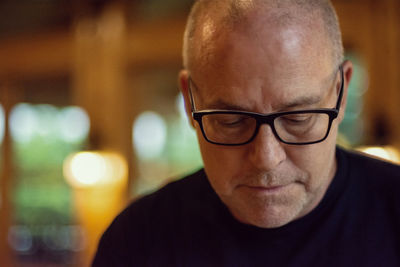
point(290, 128)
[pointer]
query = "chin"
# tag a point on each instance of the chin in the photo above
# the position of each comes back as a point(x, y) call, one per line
point(272, 219)
point(267, 215)
point(270, 222)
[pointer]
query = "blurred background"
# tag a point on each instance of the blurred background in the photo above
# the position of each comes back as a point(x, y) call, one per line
point(91, 117)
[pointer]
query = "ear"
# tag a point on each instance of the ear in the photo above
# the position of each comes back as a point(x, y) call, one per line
point(183, 81)
point(347, 74)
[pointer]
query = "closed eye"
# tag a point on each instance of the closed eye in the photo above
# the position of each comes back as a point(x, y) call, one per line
point(232, 122)
point(297, 119)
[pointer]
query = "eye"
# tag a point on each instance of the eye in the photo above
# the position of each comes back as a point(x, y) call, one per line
point(231, 121)
point(297, 119)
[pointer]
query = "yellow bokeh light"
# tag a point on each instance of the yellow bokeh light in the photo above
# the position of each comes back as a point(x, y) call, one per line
point(85, 169)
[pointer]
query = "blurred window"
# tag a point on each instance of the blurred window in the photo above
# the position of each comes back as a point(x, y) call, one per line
point(43, 228)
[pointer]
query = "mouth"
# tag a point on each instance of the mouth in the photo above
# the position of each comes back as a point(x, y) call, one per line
point(265, 189)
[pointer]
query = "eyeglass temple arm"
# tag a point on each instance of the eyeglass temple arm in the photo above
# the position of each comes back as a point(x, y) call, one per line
point(341, 88)
point(190, 81)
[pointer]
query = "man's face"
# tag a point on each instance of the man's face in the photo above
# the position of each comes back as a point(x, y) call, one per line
point(267, 69)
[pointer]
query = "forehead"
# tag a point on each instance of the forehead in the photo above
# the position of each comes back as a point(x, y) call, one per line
point(262, 65)
point(265, 20)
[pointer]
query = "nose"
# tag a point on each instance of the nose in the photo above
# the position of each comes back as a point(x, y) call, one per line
point(266, 151)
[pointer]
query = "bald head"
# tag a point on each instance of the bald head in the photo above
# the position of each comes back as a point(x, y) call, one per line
point(210, 18)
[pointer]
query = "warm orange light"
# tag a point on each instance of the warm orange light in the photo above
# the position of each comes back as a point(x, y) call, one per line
point(99, 184)
point(387, 152)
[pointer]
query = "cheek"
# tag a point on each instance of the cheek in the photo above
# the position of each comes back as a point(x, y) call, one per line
point(316, 161)
point(221, 165)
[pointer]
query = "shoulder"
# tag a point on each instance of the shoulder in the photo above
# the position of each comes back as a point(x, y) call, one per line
point(147, 222)
point(378, 176)
point(372, 166)
point(371, 199)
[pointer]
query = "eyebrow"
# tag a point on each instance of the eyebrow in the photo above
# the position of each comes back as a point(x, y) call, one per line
point(298, 102)
point(220, 104)
point(301, 101)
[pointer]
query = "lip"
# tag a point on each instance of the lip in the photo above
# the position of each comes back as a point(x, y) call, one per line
point(265, 189)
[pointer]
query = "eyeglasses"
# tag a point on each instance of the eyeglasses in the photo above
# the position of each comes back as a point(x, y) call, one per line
point(233, 128)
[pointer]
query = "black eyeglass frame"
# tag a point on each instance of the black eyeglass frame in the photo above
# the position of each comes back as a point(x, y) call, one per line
point(268, 118)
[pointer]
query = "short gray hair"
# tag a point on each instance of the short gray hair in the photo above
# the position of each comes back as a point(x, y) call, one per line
point(236, 13)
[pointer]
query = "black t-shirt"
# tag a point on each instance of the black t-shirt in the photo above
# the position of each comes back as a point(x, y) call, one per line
point(357, 223)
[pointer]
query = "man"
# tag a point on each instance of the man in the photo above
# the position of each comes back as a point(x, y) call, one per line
point(265, 87)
